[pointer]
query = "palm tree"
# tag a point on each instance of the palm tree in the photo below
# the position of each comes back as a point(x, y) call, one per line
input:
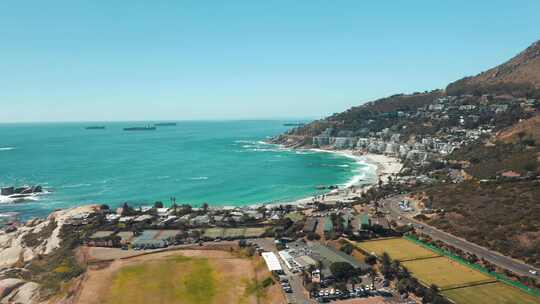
point(372, 275)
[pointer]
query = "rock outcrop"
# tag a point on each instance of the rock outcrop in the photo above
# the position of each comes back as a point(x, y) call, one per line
point(37, 237)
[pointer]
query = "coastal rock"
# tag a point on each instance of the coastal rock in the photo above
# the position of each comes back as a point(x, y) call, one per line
point(8, 285)
point(25, 292)
point(21, 190)
point(39, 238)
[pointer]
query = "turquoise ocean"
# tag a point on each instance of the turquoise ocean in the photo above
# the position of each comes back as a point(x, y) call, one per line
point(223, 163)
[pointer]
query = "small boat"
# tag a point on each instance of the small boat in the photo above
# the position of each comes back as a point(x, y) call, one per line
point(146, 128)
point(165, 124)
point(95, 128)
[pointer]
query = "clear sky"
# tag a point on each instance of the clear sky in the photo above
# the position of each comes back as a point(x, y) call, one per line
point(145, 60)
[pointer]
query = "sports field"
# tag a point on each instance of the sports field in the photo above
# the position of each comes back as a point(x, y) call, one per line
point(492, 293)
point(184, 277)
point(397, 248)
point(445, 273)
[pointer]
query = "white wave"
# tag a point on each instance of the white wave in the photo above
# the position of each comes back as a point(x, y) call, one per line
point(75, 186)
point(11, 200)
point(162, 177)
point(199, 178)
point(7, 148)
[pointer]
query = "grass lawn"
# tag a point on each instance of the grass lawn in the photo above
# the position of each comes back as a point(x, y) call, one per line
point(295, 216)
point(398, 249)
point(254, 231)
point(166, 281)
point(234, 232)
point(444, 272)
point(214, 232)
point(492, 293)
point(180, 279)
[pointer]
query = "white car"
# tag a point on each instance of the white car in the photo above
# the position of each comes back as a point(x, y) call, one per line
point(533, 272)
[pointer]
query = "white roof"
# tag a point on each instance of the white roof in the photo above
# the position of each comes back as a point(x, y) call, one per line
point(272, 261)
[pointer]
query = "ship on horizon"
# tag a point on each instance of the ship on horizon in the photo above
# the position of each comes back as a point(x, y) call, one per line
point(145, 128)
point(95, 128)
point(165, 124)
point(294, 124)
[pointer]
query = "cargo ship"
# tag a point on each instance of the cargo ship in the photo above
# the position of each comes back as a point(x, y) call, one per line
point(165, 124)
point(95, 128)
point(146, 128)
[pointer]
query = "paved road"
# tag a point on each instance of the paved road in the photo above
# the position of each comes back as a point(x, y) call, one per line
point(391, 205)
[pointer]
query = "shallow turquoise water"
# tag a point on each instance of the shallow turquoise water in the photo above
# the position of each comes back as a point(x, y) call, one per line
point(219, 162)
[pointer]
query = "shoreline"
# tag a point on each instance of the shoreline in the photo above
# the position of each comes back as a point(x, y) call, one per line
point(384, 166)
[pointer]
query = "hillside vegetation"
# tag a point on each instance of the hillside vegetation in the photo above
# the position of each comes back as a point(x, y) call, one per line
point(499, 215)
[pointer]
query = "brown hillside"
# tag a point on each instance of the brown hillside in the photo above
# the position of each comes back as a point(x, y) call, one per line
point(519, 74)
point(524, 68)
point(530, 127)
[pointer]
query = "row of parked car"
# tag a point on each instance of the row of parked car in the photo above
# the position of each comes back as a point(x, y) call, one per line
point(327, 295)
point(285, 285)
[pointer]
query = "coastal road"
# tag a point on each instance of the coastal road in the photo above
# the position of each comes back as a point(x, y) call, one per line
point(391, 205)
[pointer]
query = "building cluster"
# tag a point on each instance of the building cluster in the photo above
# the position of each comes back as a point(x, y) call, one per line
point(429, 132)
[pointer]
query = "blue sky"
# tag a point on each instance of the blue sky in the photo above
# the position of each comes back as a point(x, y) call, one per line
point(147, 60)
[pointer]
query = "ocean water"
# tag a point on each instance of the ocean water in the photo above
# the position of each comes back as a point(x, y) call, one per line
point(218, 162)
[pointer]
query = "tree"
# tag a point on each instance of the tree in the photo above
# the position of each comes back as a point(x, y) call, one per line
point(355, 280)
point(372, 275)
point(521, 135)
point(313, 236)
point(370, 259)
point(342, 271)
point(385, 259)
point(347, 248)
point(205, 207)
point(158, 204)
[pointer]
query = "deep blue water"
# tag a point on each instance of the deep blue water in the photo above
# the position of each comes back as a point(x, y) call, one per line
point(219, 162)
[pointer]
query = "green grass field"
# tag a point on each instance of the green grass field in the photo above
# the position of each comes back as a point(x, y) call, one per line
point(492, 293)
point(214, 232)
point(166, 281)
point(254, 231)
point(295, 216)
point(398, 249)
point(445, 273)
point(234, 232)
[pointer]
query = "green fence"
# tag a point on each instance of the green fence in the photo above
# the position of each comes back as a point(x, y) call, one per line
point(498, 276)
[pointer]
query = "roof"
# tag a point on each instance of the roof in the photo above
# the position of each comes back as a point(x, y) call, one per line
point(310, 225)
point(272, 261)
point(330, 255)
point(101, 234)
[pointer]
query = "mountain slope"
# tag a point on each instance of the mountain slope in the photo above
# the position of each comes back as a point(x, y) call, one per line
point(520, 75)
